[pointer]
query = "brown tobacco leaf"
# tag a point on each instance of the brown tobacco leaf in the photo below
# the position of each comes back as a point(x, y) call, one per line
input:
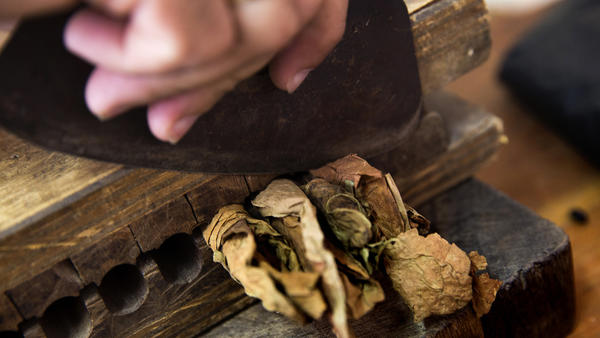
point(281, 199)
point(349, 168)
point(362, 295)
point(377, 193)
point(238, 251)
point(232, 234)
point(302, 289)
point(429, 273)
point(484, 287)
point(343, 212)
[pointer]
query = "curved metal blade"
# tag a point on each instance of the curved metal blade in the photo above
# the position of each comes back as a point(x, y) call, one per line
point(365, 98)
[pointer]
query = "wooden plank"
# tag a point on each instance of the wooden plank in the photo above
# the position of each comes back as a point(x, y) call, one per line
point(177, 310)
point(451, 38)
point(96, 260)
point(34, 296)
point(535, 300)
point(87, 221)
point(41, 182)
point(150, 231)
point(36, 183)
point(9, 316)
point(223, 190)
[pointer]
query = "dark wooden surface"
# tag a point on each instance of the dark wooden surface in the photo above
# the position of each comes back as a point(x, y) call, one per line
point(539, 169)
point(529, 254)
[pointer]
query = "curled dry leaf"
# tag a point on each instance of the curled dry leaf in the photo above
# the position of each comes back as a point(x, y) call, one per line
point(230, 235)
point(281, 199)
point(429, 273)
point(376, 192)
point(362, 295)
point(484, 287)
point(349, 168)
point(343, 212)
point(301, 288)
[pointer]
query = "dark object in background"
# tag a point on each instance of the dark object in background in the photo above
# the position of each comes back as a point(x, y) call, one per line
point(555, 69)
point(579, 216)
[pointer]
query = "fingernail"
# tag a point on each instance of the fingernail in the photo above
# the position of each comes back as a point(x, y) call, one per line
point(297, 80)
point(180, 127)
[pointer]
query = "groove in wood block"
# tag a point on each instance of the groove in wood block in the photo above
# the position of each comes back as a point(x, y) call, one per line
point(179, 309)
point(151, 230)
point(95, 261)
point(35, 295)
point(179, 259)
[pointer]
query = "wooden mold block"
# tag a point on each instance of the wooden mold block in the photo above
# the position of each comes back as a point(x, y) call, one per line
point(530, 255)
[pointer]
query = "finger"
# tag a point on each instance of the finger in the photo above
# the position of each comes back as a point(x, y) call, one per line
point(291, 66)
point(109, 94)
point(160, 36)
point(171, 118)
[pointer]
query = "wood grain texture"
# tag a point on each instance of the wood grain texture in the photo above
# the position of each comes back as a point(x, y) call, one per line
point(89, 220)
point(35, 183)
point(40, 183)
point(177, 310)
point(474, 137)
point(222, 190)
point(96, 260)
point(151, 230)
point(536, 299)
point(33, 296)
point(9, 316)
point(451, 38)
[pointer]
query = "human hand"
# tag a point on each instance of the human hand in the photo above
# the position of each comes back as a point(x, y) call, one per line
point(181, 56)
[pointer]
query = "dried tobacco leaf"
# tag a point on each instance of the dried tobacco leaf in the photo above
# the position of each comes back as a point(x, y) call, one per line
point(302, 289)
point(231, 237)
point(349, 168)
point(238, 250)
point(484, 287)
point(376, 192)
point(429, 273)
point(362, 295)
point(281, 199)
point(343, 212)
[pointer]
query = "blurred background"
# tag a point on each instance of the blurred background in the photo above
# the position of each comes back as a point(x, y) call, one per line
point(541, 166)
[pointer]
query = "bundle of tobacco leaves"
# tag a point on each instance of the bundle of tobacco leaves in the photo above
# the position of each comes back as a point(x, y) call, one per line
point(315, 249)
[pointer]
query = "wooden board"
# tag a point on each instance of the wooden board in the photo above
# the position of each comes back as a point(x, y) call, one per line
point(38, 183)
point(535, 300)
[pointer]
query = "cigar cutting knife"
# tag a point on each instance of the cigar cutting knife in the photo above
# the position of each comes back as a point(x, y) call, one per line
point(365, 98)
